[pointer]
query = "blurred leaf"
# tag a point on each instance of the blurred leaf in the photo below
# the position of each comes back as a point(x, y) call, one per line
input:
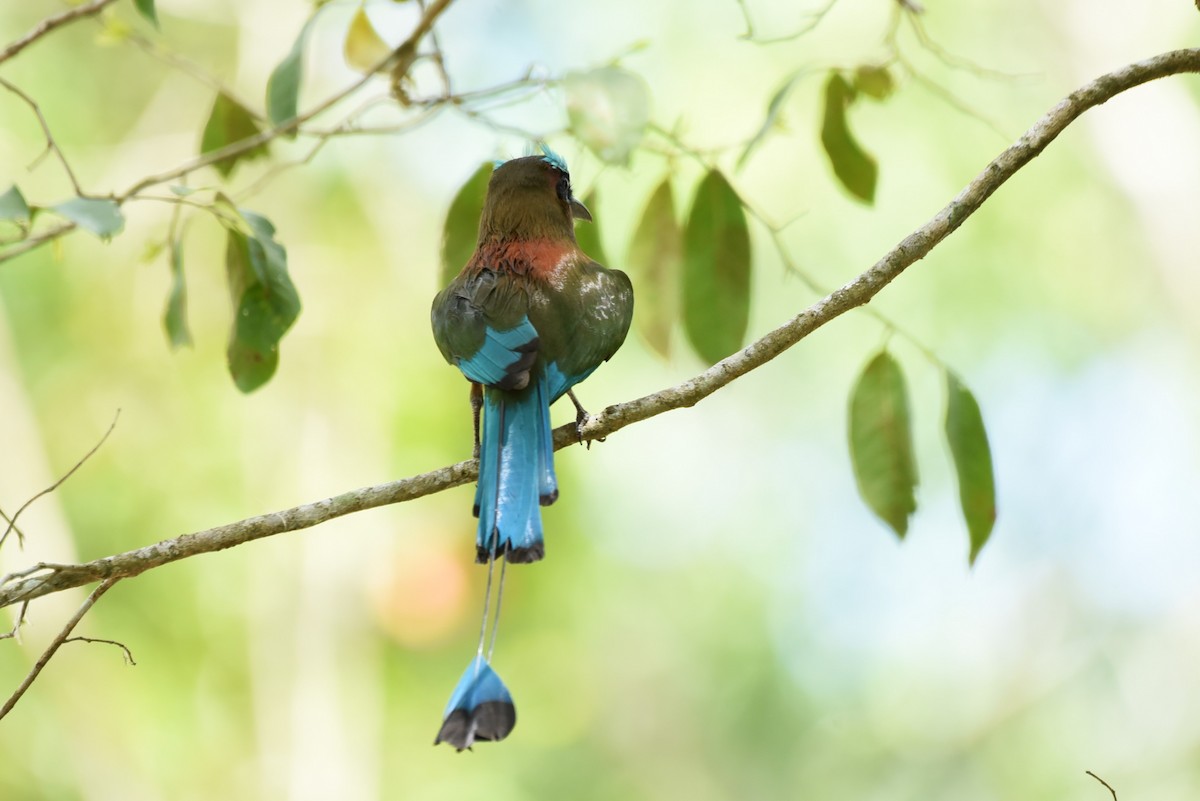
point(147, 10)
point(608, 110)
point(175, 316)
point(854, 167)
point(773, 108)
point(100, 216)
point(972, 461)
point(113, 29)
point(181, 190)
point(716, 270)
point(654, 260)
point(230, 122)
point(587, 234)
point(13, 207)
point(283, 87)
point(461, 230)
point(874, 81)
point(881, 446)
point(364, 48)
point(264, 300)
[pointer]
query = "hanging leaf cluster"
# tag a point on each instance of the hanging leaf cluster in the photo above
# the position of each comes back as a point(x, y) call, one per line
point(264, 301)
point(881, 450)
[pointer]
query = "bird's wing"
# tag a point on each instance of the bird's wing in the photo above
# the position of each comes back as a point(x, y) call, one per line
point(481, 326)
point(602, 316)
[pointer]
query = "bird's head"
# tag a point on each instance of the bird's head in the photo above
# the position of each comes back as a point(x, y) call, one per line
point(531, 198)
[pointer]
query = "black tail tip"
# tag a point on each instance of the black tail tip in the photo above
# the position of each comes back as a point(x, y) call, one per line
point(490, 721)
point(547, 499)
point(516, 556)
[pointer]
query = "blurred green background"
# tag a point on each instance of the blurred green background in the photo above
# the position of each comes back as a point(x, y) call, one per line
point(719, 615)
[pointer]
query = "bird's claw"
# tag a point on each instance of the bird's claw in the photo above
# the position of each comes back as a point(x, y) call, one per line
point(581, 420)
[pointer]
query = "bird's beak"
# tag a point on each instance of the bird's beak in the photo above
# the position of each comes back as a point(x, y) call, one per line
point(580, 211)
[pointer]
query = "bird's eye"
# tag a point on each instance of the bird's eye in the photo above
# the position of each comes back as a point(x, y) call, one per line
point(564, 189)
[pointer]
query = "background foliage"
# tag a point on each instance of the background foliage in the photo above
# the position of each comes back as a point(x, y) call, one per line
point(719, 615)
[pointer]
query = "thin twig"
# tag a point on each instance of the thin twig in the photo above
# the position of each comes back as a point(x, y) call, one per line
point(1106, 784)
point(858, 292)
point(954, 61)
point(13, 522)
point(29, 571)
point(814, 18)
point(33, 242)
point(15, 633)
point(51, 144)
point(104, 587)
point(50, 23)
point(121, 645)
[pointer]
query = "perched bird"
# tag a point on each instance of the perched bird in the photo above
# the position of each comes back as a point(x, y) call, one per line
point(529, 316)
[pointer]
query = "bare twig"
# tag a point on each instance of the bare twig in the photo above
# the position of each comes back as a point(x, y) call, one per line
point(33, 242)
point(44, 580)
point(1093, 775)
point(121, 645)
point(12, 524)
point(813, 19)
point(51, 144)
point(29, 571)
point(15, 633)
point(62, 636)
point(50, 23)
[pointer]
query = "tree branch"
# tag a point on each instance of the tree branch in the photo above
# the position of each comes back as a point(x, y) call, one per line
point(41, 579)
point(55, 645)
point(50, 23)
point(398, 62)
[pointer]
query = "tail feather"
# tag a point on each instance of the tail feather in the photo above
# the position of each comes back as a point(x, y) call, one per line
point(479, 709)
point(516, 473)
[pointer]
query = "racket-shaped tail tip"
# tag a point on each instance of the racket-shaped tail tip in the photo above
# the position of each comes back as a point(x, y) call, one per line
point(480, 709)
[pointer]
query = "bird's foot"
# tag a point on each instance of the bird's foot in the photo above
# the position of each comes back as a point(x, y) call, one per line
point(476, 408)
point(581, 420)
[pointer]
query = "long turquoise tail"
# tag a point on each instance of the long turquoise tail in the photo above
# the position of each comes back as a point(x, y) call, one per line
point(516, 473)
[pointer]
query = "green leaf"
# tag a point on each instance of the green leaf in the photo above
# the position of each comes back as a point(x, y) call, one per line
point(874, 81)
point(716, 270)
point(853, 166)
point(13, 207)
point(587, 234)
point(230, 122)
point(175, 315)
point(608, 110)
point(147, 10)
point(249, 367)
point(881, 447)
point(283, 87)
point(972, 461)
point(100, 216)
point(364, 48)
point(774, 106)
point(654, 260)
point(461, 230)
point(264, 299)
